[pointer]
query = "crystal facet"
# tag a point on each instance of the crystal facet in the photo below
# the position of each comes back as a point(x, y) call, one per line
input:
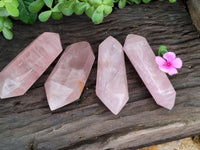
point(143, 59)
point(67, 80)
point(111, 86)
point(22, 72)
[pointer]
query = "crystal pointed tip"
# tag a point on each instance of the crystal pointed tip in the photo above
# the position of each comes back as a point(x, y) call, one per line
point(111, 39)
point(117, 111)
point(51, 106)
point(169, 106)
point(169, 102)
point(135, 37)
point(50, 34)
point(114, 107)
point(81, 43)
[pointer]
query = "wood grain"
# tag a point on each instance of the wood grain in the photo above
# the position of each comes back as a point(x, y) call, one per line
point(26, 122)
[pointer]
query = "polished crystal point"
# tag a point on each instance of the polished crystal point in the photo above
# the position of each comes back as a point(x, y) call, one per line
point(143, 59)
point(22, 72)
point(111, 84)
point(67, 80)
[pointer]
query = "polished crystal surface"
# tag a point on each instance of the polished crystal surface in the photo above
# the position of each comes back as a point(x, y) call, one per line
point(67, 80)
point(22, 72)
point(143, 59)
point(111, 84)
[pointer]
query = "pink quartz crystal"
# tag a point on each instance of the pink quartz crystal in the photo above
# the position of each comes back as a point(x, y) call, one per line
point(111, 86)
point(22, 72)
point(143, 59)
point(67, 80)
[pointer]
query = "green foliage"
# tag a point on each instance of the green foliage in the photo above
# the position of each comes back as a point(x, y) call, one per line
point(5, 27)
point(162, 50)
point(66, 7)
point(172, 1)
point(25, 15)
point(8, 8)
point(7, 33)
point(36, 6)
point(121, 3)
point(28, 10)
point(44, 16)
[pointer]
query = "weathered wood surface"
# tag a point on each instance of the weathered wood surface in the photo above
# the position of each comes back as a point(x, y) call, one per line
point(194, 9)
point(26, 122)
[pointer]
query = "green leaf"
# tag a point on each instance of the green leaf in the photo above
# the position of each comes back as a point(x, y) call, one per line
point(49, 3)
point(108, 2)
point(115, 1)
point(1, 23)
point(137, 1)
point(56, 9)
point(3, 12)
point(107, 10)
point(57, 15)
point(8, 23)
point(89, 12)
point(61, 1)
point(44, 16)
point(87, 6)
point(122, 4)
point(36, 6)
point(1, 4)
point(25, 15)
point(172, 1)
point(79, 8)
point(95, 2)
point(67, 8)
point(162, 50)
point(97, 17)
point(56, 2)
point(15, 3)
point(12, 10)
point(7, 1)
point(100, 9)
point(146, 1)
point(7, 34)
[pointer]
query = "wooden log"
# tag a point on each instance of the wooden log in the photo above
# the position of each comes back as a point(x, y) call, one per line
point(26, 122)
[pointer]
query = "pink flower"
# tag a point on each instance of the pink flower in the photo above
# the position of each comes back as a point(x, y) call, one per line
point(169, 63)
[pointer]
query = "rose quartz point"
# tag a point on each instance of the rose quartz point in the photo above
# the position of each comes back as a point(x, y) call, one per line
point(111, 84)
point(67, 80)
point(22, 72)
point(143, 59)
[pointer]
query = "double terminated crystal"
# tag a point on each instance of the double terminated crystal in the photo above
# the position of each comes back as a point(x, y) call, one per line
point(20, 74)
point(67, 80)
point(111, 84)
point(143, 59)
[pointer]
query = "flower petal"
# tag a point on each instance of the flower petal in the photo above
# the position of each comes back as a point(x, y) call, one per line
point(164, 69)
point(172, 71)
point(177, 63)
point(160, 61)
point(169, 56)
